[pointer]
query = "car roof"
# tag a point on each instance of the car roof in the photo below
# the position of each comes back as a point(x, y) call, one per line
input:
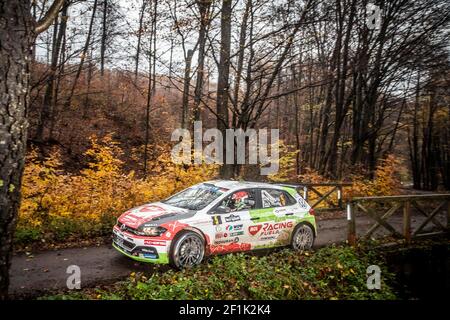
point(236, 185)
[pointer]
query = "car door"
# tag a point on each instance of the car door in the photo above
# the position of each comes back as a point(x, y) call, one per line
point(274, 221)
point(230, 220)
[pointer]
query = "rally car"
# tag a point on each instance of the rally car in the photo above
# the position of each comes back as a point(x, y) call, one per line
point(215, 217)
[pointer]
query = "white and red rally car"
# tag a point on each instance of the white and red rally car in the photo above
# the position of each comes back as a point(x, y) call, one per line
point(215, 217)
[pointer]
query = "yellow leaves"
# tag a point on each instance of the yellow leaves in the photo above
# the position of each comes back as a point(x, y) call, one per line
point(287, 163)
point(105, 154)
point(385, 182)
point(101, 190)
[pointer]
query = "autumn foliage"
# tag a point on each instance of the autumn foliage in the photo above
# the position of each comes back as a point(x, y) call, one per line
point(56, 205)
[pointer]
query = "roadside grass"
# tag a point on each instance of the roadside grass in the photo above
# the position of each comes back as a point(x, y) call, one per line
point(335, 272)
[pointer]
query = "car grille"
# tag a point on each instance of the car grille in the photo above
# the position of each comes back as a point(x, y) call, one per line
point(124, 227)
point(125, 244)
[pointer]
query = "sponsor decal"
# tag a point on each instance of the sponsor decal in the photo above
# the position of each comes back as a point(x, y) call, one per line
point(221, 235)
point(149, 225)
point(217, 220)
point(154, 242)
point(223, 241)
point(239, 233)
point(219, 229)
point(235, 227)
point(232, 218)
point(150, 255)
point(275, 228)
point(254, 229)
point(302, 203)
point(229, 240)
point(268, 238)
point(269, 228)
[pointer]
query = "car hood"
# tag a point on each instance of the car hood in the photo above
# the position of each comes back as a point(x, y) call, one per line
point(155, 213)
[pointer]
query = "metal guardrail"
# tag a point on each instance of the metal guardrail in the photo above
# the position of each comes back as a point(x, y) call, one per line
point(404, 203)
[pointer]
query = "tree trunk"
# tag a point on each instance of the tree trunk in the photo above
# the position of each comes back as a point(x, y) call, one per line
point(83, 56)
point(226, 170)
point(16, 40)
point(203, 7)
point(104, 35)
point(187, 83)
point(147, 116)
point(138, 49)
point(46, 114)
point(154, 33)
point(15, 54)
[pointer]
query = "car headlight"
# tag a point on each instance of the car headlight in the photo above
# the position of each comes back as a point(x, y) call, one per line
point(153, 231)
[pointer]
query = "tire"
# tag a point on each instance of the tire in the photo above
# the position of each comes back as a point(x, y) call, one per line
point(302, 237)
point(187, 250)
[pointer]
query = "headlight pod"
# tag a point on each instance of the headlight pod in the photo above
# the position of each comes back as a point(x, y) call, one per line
point(153, 231)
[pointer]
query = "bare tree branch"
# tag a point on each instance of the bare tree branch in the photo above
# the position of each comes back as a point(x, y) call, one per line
point(48, 18)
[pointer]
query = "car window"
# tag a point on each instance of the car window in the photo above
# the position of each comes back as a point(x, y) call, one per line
point(196, 197)
point(275, 198)
point(240, 200)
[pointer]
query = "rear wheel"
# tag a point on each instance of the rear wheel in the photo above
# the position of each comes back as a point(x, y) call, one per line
point(187, 250)
point(302, 237)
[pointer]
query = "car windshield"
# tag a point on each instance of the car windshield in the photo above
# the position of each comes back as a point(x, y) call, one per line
point(196, 197)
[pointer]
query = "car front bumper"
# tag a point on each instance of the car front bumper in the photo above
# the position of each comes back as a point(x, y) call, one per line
point(143, 249)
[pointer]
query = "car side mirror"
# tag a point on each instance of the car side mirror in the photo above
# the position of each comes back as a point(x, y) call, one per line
point(222, 209)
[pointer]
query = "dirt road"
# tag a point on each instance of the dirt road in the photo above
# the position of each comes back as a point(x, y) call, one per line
point(46, 271)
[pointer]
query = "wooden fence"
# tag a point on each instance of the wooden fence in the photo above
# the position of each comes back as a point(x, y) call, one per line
point(393, 204)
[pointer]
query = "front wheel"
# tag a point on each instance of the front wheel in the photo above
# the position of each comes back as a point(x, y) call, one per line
point(187, 250)
point(302, 237)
